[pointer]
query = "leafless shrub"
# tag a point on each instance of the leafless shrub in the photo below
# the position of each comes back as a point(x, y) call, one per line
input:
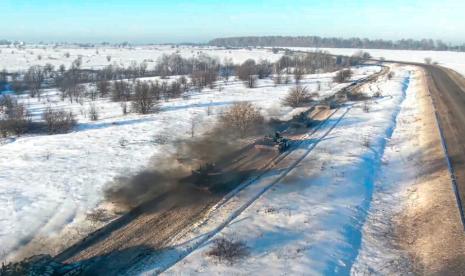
point(6, 102)
point(143, 101)
point(366, 107)
point(16, 120)
point(242, 118)
point(247, 72)
point(103, 87)
point(228, 250)
point(34, 78)
point(124, 108)
point(93, 112)
point(342, 75)
point(67, 55)
point(58, 121)
point(108, 58)
point(428, 60)
point(203, 78)
point(297, 96)
point(121, 91)
point(298, 75)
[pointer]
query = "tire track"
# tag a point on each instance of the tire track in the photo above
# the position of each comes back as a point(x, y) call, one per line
point(198, 243)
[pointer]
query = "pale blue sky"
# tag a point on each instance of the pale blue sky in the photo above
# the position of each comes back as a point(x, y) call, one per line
point(143, 21)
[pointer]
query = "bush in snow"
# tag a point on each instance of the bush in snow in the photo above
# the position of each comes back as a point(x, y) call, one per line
point(298, 75)
point(242, 118)
point(143, 100)
point(247, 73)
point(16, 119)
point(121, 91)
point(58, 121)
point(93, 113)
point(228, 250)
point(297, 96)
point(343, 75)
point(103, 87)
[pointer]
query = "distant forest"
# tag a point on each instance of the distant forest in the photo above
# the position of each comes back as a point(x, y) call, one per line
point(333, 42)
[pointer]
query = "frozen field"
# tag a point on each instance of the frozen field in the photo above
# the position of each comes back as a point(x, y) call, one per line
point(13, 59)
point(49, 183)
point(307, 219)
point(312, 217)
point(452, 60)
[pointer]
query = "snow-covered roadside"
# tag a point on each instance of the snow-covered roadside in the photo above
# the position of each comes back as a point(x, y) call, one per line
point(49, 183)
point(310, 221)
point(414, 226)
point(380, 253)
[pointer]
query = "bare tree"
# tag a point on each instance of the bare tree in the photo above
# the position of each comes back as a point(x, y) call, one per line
point(228, 250)
point(264, 69)
point(247, 72)
point(342, 75)
point(16, 119)
point(298, 74)
point(34, 78)
point(103, 88)
point(227, 69)
point(242, 118)
point(143, 101)
point(297, 96)
point(4, 76)
point(93, 112)
point(58, 121)
point(121, 91)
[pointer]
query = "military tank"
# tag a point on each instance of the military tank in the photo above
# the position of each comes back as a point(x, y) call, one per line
point(273, 142)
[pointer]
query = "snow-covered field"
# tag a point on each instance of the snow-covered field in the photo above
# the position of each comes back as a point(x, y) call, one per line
point(14, 59)
point(48, 183)
point(306, 218)
point(452, 60)
point(312, 216)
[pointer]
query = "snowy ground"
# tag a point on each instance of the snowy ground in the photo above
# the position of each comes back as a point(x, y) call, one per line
point(13, 59)
point(49, 183)
point(400, 171)
point(306, 217)
point(452, 60)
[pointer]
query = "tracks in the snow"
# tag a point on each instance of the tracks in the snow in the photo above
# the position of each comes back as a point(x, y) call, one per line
point(150, 231)
point(262, 183)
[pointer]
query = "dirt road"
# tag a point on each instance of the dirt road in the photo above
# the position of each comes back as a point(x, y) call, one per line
point(149, 227)
point(429, 228)
point(448, 92)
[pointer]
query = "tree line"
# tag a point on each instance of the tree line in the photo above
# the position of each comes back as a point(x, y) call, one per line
point(334, 42)
point(126, 85)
